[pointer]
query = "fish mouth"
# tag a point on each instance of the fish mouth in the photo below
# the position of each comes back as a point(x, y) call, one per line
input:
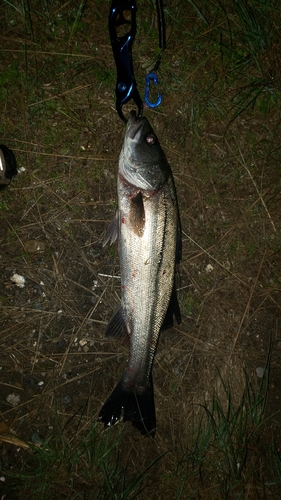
point(135, 126)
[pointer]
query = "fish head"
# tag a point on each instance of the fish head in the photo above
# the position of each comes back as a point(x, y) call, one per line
point(142, 160)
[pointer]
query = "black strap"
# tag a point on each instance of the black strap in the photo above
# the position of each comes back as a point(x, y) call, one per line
point(161, 24)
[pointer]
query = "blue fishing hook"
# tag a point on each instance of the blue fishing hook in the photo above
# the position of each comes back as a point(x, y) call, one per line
point(151, 76)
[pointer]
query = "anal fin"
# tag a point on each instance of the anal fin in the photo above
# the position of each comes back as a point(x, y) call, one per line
point(116, 327)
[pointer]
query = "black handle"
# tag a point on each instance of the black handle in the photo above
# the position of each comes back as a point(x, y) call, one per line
point(126, 87)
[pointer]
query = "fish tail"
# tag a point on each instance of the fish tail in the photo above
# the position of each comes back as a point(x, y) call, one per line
point(137, 407)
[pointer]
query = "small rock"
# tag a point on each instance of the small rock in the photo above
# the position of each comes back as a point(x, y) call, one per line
point(36, 438)
point(260, 371)
point(83, 342)
point(177, 372)
point(13, 399)
point(34, 246)
point(66, 399)
point(30, 381)
point(62, 344)
point(86, 348)
point(18, 280)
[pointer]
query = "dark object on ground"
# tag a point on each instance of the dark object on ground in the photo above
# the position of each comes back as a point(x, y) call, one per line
point(8, 165)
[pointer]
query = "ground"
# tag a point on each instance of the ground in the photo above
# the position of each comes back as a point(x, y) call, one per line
point(216, 375)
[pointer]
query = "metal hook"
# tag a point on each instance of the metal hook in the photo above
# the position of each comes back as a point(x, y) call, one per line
point(151, 76)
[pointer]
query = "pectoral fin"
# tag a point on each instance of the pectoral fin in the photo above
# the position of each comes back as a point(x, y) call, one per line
point(137, 214)
point(112, 231)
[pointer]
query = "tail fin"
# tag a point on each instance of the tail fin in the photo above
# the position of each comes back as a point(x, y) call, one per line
point(138, 408)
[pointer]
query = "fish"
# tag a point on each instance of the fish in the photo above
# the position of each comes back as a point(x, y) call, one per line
point(147, 226)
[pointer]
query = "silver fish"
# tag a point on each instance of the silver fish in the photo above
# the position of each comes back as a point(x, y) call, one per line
point(148, 227)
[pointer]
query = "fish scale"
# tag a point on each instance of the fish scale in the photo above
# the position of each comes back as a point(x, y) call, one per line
point(147, 292)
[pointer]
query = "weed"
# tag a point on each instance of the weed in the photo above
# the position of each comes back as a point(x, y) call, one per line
point(87, 469)
point(3, 206)
point(188, 305)
point(225, 441)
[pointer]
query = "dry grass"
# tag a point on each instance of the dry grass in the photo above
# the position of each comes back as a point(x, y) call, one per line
point(57, 114)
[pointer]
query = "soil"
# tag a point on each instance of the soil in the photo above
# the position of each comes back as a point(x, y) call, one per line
point(55, 363)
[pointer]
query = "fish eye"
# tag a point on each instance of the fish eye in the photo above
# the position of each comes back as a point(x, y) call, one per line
point(151, 139)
